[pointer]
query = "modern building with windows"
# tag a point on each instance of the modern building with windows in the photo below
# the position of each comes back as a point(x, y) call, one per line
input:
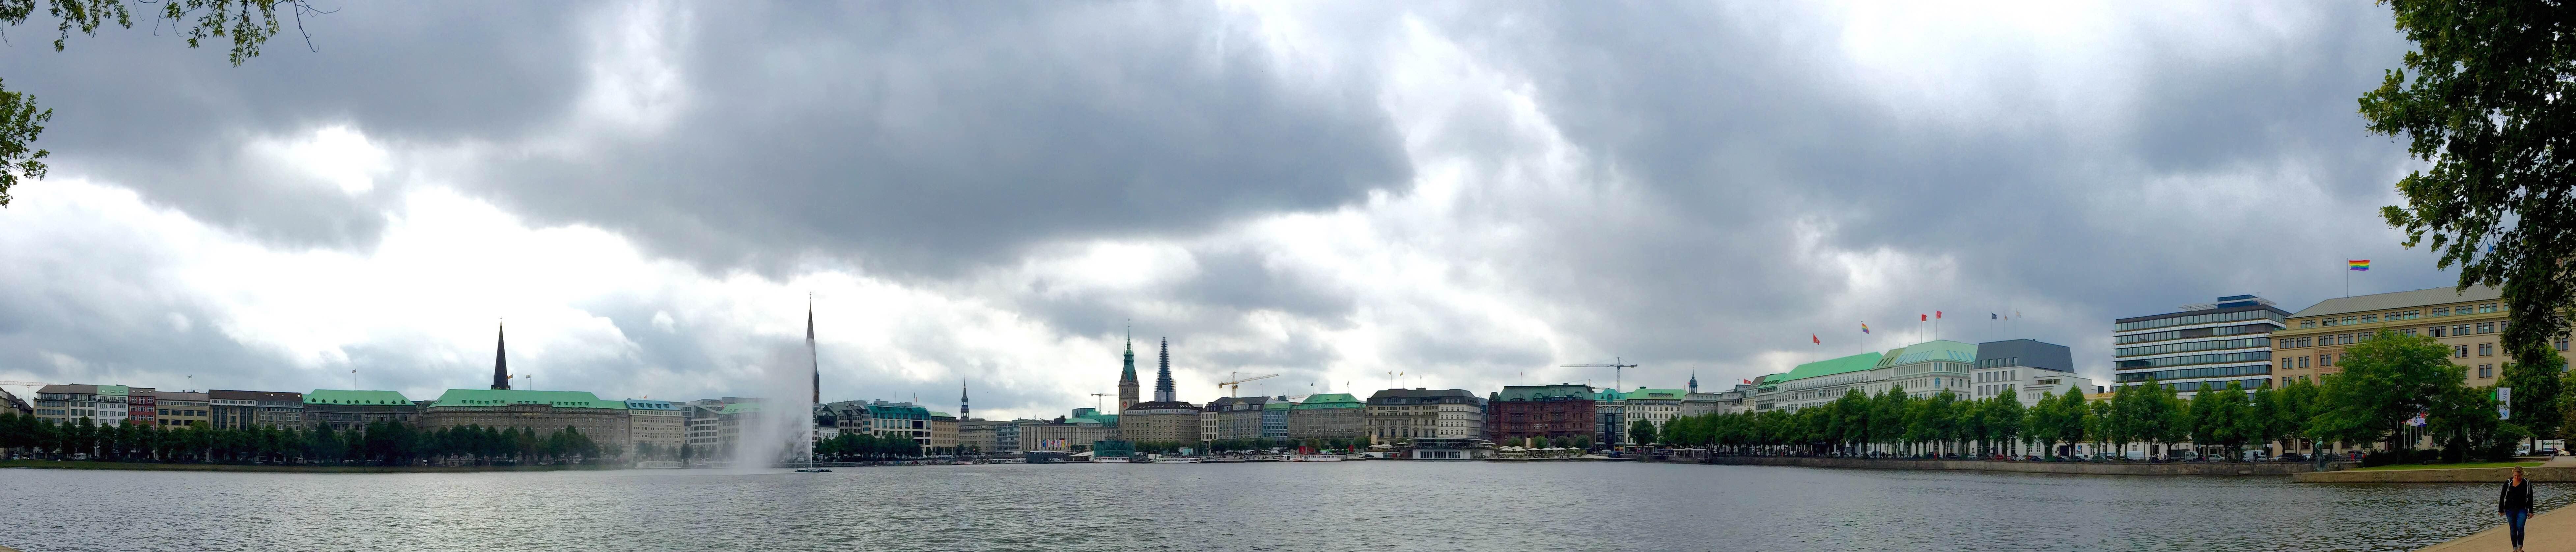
point(63, 404)
point(1160, 422)
point(141, 405)
point(656, 423)
point(1821, 382)
point(1232, 419)
point(2471, 322)
point(180, 409)
point(345, 410)
point(1656, 406)
point(1609, 417)
point(1399, 415)
point(234, 409)
point(943, 433)
point(1521, 415)
point(1274, 417)
point(2028, 368)
point(2206, 345)
point(977, 436)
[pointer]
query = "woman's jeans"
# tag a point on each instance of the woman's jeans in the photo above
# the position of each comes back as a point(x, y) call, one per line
point(2514, 520)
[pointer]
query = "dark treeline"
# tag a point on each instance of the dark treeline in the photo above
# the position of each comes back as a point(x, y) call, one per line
point(379, 443)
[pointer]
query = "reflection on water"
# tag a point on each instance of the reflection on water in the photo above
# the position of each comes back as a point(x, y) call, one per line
point(1336, 506)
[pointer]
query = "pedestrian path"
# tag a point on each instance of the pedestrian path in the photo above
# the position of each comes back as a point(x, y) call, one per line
point(2552, 531)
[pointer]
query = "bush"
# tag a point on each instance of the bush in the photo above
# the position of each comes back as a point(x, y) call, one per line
point(2384, 458)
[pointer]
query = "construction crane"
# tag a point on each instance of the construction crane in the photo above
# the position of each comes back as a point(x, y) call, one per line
point(1616, 366)
point(24, 383)
point(1234, 385)
point(1095, 401)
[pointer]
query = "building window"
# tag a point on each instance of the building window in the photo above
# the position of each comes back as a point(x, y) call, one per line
point(2303, 362)
point(2489, 307)
point(2409, 332)
point(2460, 330)
point(2486, 370)
point(2309, 323)
point(2486, 349)
point(2459, 351)
point(2369, 318)
point(2560, 344)
point(2486, 327)
point(2436, 331)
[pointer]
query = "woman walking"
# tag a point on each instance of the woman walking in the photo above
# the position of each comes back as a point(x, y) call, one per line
point(2515, 504)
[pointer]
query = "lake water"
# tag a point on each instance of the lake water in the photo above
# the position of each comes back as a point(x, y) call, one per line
point(1304, 507)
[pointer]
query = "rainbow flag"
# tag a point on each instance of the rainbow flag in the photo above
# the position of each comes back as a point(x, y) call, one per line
point(1864, 327)
point(2363, 264)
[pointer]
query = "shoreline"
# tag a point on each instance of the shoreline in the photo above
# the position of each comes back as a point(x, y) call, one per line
point(2231, 469)
point(259, 468)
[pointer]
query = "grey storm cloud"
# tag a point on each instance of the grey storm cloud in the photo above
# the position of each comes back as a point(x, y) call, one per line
point(927, 142)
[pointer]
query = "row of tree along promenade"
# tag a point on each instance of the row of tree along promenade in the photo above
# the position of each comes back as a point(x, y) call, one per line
point(2387, 382)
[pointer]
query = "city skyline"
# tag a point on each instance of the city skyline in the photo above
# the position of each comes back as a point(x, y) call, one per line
point(1421, 196)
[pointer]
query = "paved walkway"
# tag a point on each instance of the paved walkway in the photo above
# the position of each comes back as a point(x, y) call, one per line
point(2552, 531)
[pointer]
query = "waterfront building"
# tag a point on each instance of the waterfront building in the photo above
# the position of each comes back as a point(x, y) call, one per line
point(1274, 418)
point(1926, 369)
point(2202, 346)
point(1766, 396)
point(2470, 322)
point(656, 423)
point(235, 409)
point(181, 409)
point(1400, 415)
point(543, 412)
point(1823, 381)
point(346, 410)
point(141, 404)
point(976, 436)
point(63, 404)
point(10, 403)
point(1328, 416)
point(943, 433)
point(2028, 367)
point(1522, 412)
point(1609, 419)
point(1697, 403)
point(704, 421)
point(1006, 436)
point(1058, 435)
point(1160, 422)
point(1233, 419)
point(899, 420)
point(1448, 448)
point(1656, 406)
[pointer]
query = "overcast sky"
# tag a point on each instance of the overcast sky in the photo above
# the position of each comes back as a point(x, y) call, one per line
point(985, 194)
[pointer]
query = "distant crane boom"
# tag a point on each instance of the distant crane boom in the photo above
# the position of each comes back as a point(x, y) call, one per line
point(1234, 385)
point(1095, 401)
point(1616, 366)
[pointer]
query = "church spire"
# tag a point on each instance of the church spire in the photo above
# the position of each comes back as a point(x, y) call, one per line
point(1163, 375)
point(1694, 381)
point(963, 411)
point(809, 350)
point(1127, 395)
point(500, 357)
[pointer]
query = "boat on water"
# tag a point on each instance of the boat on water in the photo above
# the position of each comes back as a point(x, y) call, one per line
point(1315, 458)
point(813, 470)
point(1109, 460)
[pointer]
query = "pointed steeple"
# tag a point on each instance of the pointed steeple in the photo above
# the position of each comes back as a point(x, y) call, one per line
point(962, 409)
point(1694, 381)
point(809, 350)
point(1163, 374)
point(501, 357)
point(1127, 374)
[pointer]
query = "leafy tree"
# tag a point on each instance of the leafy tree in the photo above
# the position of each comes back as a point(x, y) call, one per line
point(2004, 420)
point(249, 23)
point(2536, 391)
point(2385, 380)
point(2484, 99)
point(1642, 432)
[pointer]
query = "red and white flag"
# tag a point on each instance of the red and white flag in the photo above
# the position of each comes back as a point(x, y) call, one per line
point(1818, 340)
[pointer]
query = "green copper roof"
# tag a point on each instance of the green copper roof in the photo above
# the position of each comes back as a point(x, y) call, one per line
point(1657, 394)
point(1330, 400)
point(1844, 365)
point(113, 390)
point(1275, 404)
point(338, 396)
point(1932, 350)
point(505, 397)
point(1609, 395)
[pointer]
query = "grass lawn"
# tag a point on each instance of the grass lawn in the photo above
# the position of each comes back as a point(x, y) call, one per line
point(2448, 466)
